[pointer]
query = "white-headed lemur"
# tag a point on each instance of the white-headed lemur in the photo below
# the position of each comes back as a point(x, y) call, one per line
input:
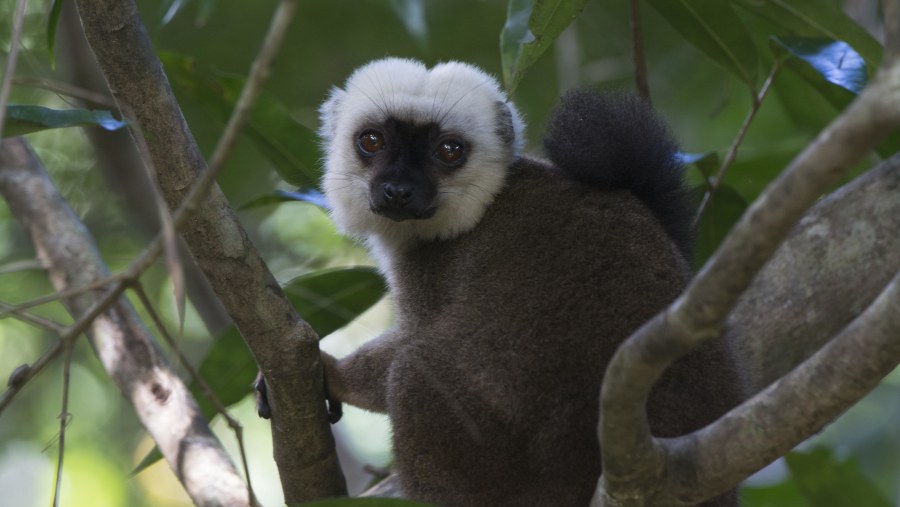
point(514, 278)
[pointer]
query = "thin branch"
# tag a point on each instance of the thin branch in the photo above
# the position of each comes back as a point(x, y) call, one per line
point(67, 89)
point(34, 319)
point(638, 55)
point(11, 60)
point(259, 73)
point(891, 11)
point(73, 332)
point(731, 154)
point(698, 314)
point(60, 295)
point(63, 422)
point(19, 266)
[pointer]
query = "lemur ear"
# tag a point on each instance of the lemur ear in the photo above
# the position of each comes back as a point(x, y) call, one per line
point(505, 130)
point(329, 113)
point(510, 127)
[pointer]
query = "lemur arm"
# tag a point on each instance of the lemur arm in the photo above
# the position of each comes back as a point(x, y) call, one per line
point(360, 379)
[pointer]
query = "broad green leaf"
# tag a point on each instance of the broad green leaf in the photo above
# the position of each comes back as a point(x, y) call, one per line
point(291, 147)
point(723, 211)
point(366, 502)
point(531, 27)
point(330, 299)
point(327, 300)
point(229, 369)
point(829, 483)
point(715, 29)
point(817, 18)
point(311, 196)
point(27, 119)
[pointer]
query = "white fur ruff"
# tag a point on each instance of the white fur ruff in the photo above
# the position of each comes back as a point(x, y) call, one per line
point(460, 99)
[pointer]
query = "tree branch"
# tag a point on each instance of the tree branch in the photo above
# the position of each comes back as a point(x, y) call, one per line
point(284, 346)
point(161, 401)
point(629, 449)
point(813, 286)
point(793, 408)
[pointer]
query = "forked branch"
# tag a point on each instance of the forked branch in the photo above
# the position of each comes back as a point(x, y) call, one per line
point(634, 462)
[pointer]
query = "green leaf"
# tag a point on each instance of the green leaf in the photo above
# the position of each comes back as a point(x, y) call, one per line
point(311, 196)
point(714, 28)
point(330, 299)
point(723, 211)
point(531, 27)
point(707, 162)
point(783, 494)
point(27, 119)
point(833, 69)
point(366, 502)
point(830, 66)
point(229, 369)
point(817, 18)
point(829, 483)
point(52, 22)
point(327, 300)
point(290, 146)
point(149, 459)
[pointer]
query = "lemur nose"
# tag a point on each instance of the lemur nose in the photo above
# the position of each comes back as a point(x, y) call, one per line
point(397, 194)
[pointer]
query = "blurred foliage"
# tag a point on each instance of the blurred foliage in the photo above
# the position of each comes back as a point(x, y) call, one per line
point(704, 59)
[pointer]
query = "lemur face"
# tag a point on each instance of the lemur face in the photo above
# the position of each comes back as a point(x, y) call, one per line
point(407, 163)
point(413, 153)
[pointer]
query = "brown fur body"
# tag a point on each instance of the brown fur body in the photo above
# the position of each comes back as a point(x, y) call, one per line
point(491, 375)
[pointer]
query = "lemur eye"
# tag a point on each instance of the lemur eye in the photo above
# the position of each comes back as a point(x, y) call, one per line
point(370, 142)
point(450, 152)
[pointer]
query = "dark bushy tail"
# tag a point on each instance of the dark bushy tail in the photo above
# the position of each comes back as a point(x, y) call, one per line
point(618, 141)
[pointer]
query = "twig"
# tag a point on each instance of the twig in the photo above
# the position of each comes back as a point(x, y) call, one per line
point(18, 266)
point(259, 73)
point(11, 60)
point(100, 305)
point(63, 422)
point(58, 295)
point(637, 54)
point(67, 89)
point(34, 319)
point(731, 154)
point(891, 17)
